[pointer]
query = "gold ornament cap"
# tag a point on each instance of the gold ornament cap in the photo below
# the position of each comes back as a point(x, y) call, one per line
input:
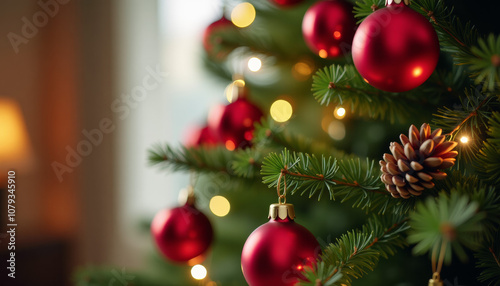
point(281, 211)
point(186, 196)
point(390, 2)
point(436, 280)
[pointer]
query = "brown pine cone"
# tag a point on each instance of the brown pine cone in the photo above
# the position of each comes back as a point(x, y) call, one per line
point(412, 165)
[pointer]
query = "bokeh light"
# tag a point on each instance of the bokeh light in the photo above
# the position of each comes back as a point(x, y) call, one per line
point(323, 53)
point(254, 64)
point(243, 15)
point(199, 272)
point(230, 145)
point(337, 35)
point(464, 139)
point(281, 110)
point(219, 206)
point(336, 130)
point(231, 91)
point(339, 112)
point(302, 70)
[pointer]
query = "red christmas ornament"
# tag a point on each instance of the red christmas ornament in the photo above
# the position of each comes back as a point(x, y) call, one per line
point(277, 251)
point(328, 28)
point(235, 125)
point(213, 41)
point(182, 234)
point(200, 136)
point(395, 48)
point(286, 3)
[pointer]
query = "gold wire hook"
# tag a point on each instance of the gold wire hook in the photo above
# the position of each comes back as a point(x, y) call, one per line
point(280, 195)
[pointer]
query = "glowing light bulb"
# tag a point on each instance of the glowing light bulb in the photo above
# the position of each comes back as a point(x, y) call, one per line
point(339, 112)
point(254, 64)
point(337, 35)
point(464, 139)
point(281, 110)
point(219, 206)
point(230, 145)
point(243, 15)
point(302, 68)
point(323, 53)
point(199, 272)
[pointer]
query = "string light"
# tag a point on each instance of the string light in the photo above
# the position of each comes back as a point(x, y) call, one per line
point(339, 112)
point(243, 15)
point(230, 145)
point(464, 139)
point(232, 89)
point(337, 35)
point(199, 272)
point(219, 206)
point(302, 70)
point(323, 53)
point(254, 64)
point(281, 110)
point(336, 130)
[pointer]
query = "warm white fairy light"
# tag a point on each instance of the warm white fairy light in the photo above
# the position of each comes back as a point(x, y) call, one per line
point(336, 130)
point(464, 139)
point(243, 15)
point(219, 206)
point(199, 272)
point(281, 110)
point(254, 64)
point(339, 112)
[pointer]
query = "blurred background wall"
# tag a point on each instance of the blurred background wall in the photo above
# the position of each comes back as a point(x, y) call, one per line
point(98, 82)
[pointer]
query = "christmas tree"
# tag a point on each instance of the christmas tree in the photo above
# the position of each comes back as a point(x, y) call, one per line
point(378, 121)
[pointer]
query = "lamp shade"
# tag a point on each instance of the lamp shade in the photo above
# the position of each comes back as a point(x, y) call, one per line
point(15, 148)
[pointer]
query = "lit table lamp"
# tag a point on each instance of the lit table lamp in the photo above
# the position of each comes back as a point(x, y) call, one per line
point(15, 149)
point(15, 154)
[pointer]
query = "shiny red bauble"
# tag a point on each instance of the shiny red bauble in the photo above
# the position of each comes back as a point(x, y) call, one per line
point(235, 124)
point(276, 253)
point(286, 3)
point(213, 41)
point(182, 234)
point(328, 28)
point(203, 136)
point(395, 48)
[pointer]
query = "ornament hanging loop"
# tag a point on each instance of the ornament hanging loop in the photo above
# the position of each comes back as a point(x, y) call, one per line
point(436, 280)
point(282, 196)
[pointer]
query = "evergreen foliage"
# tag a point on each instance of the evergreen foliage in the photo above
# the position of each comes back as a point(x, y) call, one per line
point(459, 216)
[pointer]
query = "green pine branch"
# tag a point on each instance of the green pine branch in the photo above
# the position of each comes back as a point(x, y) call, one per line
point(469, 119)
point(343, 85)
point(448, 224)
point(364, 8)
point(276, 136)
point(485, 65)
point(489, 261)
point(454, 36)
point(357, 252)
point(488, 161)
point(200, 159)
point(247, 163)
point(350, 179)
